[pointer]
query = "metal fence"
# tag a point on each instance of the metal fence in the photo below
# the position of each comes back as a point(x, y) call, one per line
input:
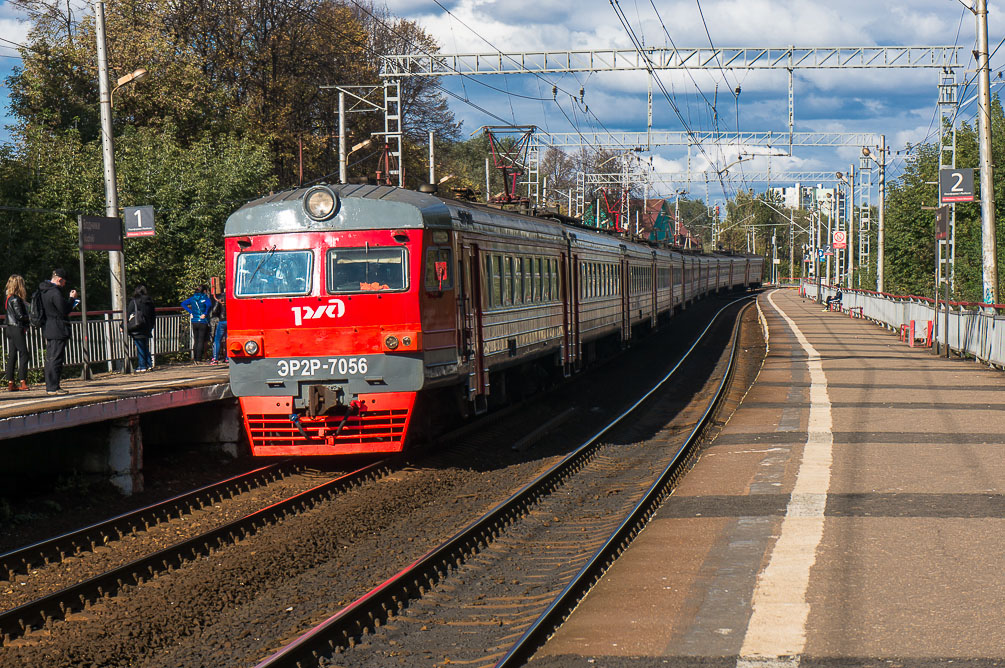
point(108, 342)
point(970, 332)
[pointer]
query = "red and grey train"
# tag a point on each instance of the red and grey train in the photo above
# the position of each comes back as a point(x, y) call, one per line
point(355, 310)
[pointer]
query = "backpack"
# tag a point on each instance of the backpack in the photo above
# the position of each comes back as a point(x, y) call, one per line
point(137, 321)
point(36, 312)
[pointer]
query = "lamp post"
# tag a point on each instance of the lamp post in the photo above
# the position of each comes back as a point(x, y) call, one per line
point(849, 180)
point(881, 233)
point(137, 75)
point(116, 265)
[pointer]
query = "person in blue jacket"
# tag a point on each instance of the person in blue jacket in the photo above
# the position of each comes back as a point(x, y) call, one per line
point(199, 305)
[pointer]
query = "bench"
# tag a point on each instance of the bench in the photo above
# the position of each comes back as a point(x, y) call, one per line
point(852, 310)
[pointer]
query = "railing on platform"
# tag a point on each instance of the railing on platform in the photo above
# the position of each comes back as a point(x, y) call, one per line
point(107, 342)
point(971, 332)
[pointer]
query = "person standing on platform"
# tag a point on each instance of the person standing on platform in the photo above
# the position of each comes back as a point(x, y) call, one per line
point(198, 305)
point(219, 314)
point(56, 328)
point(16, 331)
point(140, 317)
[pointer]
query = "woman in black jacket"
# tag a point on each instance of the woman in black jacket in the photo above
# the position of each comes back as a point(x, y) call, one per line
point(16, 330)
point(140, 324)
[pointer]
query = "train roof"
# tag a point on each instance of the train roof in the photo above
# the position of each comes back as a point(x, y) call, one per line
point(359, 207)
point(365, 207)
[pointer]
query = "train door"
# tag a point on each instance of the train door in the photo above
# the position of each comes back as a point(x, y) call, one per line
point(471, 344)
point(626, 288)
point(685, 282)
point(570, 315)
point(653, 304)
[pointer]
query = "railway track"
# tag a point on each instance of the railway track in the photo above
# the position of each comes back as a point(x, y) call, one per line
point(58, 604)
point(88, 538)
point(255, 595)
point(480, 559)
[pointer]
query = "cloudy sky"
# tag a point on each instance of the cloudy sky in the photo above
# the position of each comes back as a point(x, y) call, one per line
point(897, 103)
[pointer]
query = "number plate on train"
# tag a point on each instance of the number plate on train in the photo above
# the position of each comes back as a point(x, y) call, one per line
point(322, 366)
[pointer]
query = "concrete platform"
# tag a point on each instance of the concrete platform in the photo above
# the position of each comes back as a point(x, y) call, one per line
point(97, 427)
point(851, 513)
point(110, 396)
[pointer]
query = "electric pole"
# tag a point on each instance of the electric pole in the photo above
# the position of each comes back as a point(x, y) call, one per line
point(989, 244)
point(116, 267)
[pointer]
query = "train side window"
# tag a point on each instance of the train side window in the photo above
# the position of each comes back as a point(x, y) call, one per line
point(507, 280)
point(439, 269)
point(497, 289)
point(489, 293)
point(546, 280)
point(528, 279)
point(273, 273)
point(536, 297)
point(518, 280)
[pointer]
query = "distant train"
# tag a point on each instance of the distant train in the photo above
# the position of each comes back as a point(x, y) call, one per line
point(358, 314)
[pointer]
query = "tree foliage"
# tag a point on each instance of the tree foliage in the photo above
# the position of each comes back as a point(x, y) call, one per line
point(910, 226)
point(234, 106)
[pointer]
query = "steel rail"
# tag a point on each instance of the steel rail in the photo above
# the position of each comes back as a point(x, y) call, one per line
point(87, 538)
point(17, 621)
point(375, 607)
point(591, 573)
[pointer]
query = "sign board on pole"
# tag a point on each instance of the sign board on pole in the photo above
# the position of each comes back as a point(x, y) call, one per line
point(956, 185)
point(840, 239)
point(942, 223)
point(139, 221)
point(99, 233)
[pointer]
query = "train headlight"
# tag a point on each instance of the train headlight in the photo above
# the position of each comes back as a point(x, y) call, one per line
point(320, 203)
point(391, 342)
point(406, 341)
point(251, 347)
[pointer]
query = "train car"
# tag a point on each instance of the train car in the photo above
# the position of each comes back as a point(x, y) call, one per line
point(358, 312)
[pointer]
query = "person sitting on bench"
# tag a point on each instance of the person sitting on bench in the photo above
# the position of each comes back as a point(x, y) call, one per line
point(834, 299)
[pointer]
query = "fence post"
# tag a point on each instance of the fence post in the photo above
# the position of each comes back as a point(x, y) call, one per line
point(108, 342)
point(153, 344)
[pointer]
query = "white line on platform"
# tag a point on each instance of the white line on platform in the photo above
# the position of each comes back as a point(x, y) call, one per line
point(776, 633)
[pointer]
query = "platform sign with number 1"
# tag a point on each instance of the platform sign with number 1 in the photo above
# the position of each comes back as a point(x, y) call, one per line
point(139, 221)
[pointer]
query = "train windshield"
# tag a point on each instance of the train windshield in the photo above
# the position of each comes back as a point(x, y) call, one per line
point(370, 269)
point(272, 272)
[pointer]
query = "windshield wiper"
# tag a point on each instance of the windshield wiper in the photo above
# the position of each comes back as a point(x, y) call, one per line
point(267, 255)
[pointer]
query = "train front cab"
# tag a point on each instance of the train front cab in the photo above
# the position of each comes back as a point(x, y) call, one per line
point(325, 334)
